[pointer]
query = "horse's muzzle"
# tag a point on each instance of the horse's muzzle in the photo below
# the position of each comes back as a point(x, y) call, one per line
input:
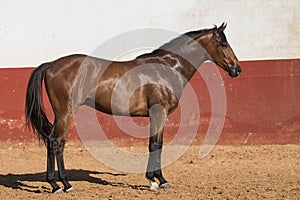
point(234, 71)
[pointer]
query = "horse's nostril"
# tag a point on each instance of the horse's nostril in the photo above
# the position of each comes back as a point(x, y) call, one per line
point(238, 70)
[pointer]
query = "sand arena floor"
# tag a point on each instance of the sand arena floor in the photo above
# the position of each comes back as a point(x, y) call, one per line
point(228, 172)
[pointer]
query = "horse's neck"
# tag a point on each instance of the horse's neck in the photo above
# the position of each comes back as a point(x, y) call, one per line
point(186, 60)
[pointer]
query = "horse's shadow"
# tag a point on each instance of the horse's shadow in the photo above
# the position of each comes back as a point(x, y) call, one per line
point(17, 181)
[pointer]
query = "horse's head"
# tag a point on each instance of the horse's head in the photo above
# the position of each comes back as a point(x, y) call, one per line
point(220, 52)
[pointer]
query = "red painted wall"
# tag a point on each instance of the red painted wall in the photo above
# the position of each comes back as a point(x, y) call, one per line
point(262, 106)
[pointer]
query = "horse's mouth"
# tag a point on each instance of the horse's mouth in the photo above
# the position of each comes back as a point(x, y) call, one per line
point(234, 71)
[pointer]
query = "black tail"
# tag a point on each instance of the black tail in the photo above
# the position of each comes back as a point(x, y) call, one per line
point(34, 109)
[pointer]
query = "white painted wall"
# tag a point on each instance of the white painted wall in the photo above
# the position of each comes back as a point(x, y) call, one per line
point(33, 31)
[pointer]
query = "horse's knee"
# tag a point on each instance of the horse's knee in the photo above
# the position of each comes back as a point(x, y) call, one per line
point(154, 147)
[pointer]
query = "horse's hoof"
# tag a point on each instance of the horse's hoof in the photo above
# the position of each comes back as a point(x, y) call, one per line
point(165, 186)
point(58, 191)
point(154, 186)
point(71, 189)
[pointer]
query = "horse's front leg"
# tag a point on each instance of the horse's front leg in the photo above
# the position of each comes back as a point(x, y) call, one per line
point(158, 116)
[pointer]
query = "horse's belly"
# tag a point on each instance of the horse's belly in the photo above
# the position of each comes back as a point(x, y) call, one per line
point(121, 103)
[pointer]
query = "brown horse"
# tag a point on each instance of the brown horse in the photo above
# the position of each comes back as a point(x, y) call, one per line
point(150, 85)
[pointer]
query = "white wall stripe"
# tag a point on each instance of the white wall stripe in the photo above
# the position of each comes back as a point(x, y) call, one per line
point(32, 32)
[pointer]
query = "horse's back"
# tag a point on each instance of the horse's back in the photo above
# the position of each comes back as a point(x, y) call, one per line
point(121, 88)
point(70, 79)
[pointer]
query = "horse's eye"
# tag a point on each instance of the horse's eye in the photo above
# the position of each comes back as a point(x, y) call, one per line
point(224, 45)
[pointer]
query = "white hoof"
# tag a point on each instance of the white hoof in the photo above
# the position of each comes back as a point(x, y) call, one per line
point(154, 186)
point(59, 191)
point(71, 189)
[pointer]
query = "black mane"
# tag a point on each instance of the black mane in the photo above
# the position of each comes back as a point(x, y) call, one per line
point(181, 39)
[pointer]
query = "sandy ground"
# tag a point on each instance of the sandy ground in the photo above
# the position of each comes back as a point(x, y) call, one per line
point(228, 172)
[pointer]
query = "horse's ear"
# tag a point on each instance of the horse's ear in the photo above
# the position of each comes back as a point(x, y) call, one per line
point(215, 30)
point(222, 27)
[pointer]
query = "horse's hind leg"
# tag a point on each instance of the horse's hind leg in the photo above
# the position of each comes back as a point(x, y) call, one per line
point(51, 151)
point(55, 148)
point(62, 128)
